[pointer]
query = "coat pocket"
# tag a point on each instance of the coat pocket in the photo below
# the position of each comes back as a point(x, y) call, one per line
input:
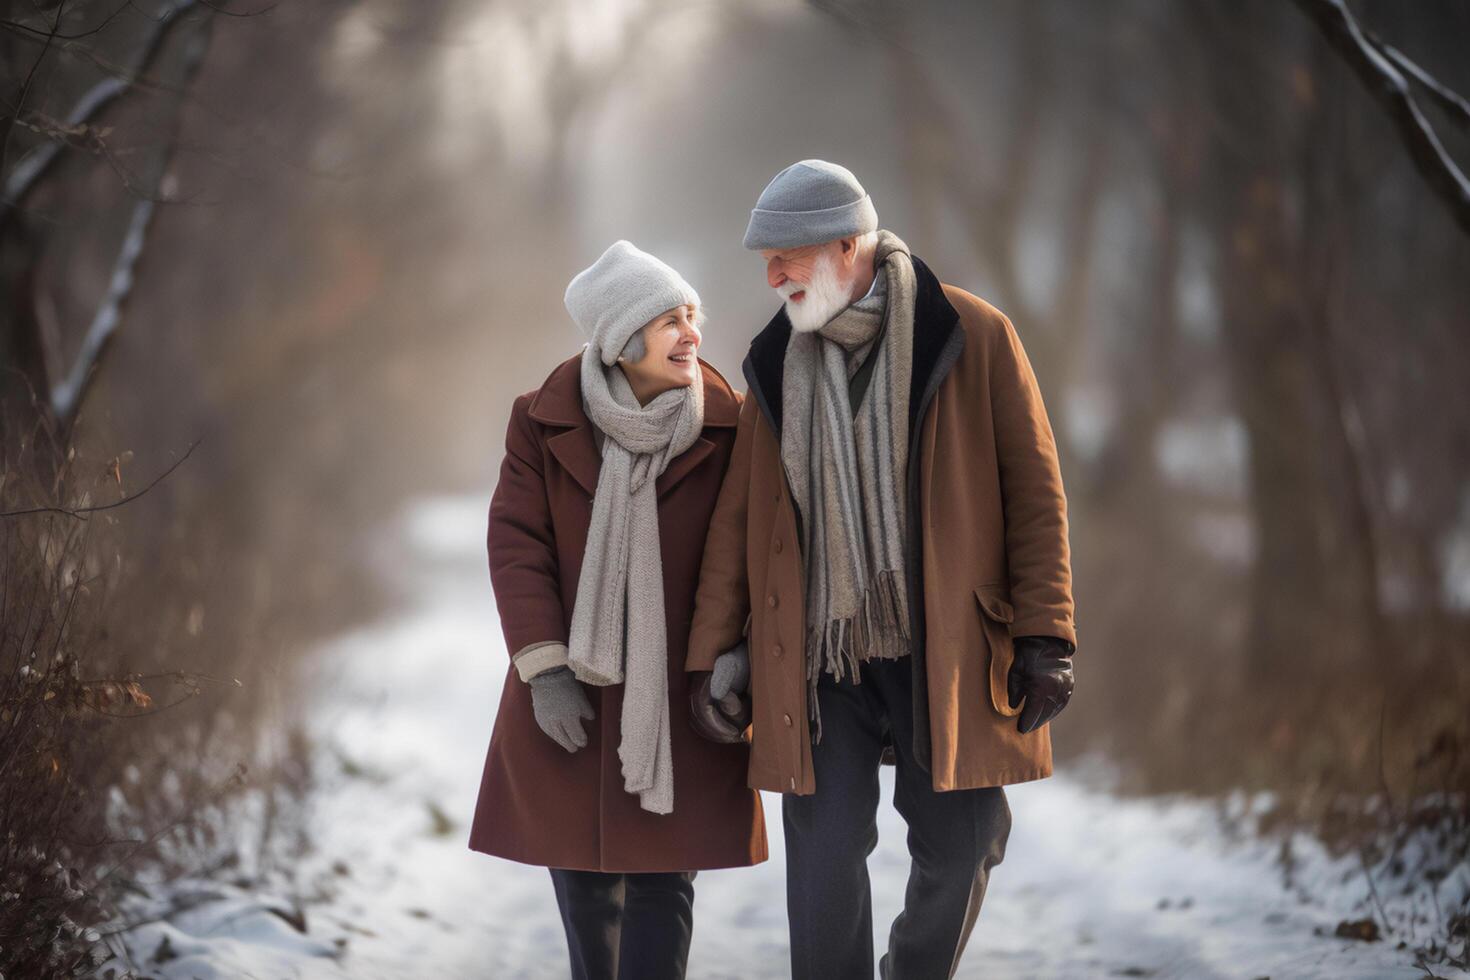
point(996, 615)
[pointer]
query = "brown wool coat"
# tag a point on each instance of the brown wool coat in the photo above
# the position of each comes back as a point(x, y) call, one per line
point(991, 558)
point(539, 804)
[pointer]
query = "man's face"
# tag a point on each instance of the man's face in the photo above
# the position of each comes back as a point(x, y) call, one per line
point(788, 269)
point(814, 281)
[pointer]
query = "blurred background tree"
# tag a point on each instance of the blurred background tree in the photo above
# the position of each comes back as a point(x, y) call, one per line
point(328, 242)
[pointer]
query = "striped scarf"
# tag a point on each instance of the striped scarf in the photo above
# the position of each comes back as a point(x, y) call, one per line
point(847, 467)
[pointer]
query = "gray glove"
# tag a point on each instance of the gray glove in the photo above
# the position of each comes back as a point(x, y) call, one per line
point(731, 673)
point(560, 704)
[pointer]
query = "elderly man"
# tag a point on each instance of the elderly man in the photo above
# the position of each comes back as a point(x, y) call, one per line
point(887, 570)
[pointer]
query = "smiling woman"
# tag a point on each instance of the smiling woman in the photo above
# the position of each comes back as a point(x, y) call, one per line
point(663, 354)
point(596, 529)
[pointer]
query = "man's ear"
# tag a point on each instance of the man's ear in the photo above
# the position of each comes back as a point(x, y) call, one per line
point(849, 250)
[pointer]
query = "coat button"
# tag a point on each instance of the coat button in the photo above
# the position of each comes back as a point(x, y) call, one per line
point(778, 546)
point(771, 600)
point(776, 650)
point(787, 719)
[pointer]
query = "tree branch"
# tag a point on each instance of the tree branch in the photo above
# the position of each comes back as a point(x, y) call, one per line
point(17, 26)
point(66, 394)
point(1454, 104)
point(1380, 72)
point(30, 167)
point(25, 90)
point(78, 512)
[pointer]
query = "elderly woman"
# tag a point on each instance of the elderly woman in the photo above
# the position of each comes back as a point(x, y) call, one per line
point(597, 528)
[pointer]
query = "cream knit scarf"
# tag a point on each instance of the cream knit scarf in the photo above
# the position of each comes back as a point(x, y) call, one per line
point(618, 634)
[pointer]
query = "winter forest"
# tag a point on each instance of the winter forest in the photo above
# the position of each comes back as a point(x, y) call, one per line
point(272, 273)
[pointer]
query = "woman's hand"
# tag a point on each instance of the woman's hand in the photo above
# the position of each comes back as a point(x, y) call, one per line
point(560, 704)
point(731, 673)
point(716, 709)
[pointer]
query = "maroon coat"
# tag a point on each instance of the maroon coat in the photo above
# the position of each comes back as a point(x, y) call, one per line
point(539, 804)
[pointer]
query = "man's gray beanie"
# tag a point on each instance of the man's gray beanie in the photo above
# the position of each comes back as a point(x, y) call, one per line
point(615, 296)
point(809, 203)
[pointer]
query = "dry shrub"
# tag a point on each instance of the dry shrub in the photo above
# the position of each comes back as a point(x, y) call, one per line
point(111, 775)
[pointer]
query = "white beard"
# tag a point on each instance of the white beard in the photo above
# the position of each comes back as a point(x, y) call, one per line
point(826, 296)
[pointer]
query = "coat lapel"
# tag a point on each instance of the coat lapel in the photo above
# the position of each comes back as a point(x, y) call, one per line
point(721, 411)
point(937, 340)
point(576, 451)
point(684, 464)
point(763, 367)
point(559, 404)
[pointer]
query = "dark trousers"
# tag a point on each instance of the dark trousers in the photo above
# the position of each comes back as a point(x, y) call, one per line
point(628, 926)
point(954, 839)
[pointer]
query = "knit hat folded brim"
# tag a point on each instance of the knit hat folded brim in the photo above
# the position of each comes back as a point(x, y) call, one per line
point(793, 229)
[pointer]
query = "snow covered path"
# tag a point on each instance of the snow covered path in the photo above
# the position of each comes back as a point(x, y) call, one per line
point(1091, 886)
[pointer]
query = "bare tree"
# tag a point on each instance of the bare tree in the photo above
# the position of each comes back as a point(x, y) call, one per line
point(94, 70)
point(1393, 79)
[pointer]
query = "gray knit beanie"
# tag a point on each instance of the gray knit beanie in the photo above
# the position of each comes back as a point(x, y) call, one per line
point(615, 296)
point(809, 203)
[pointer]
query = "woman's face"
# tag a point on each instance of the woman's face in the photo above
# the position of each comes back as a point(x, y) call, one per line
point(670, 345)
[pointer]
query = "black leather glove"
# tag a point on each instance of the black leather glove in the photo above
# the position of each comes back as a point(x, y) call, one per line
point(719, 720)
point(1041, 675)
point(718, 710)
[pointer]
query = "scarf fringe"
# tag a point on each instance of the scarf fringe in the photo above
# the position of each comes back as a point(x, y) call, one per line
point(879, 631)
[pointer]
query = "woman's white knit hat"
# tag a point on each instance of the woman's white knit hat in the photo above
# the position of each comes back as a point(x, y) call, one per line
point(615, 296)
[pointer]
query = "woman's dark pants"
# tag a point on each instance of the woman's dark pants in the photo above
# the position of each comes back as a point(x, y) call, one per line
point(626, 926)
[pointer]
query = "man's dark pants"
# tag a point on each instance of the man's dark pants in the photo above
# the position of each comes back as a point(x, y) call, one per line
point(954, 839)
point(626, 926)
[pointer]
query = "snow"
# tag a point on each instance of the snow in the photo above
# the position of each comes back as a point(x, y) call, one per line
point(1092, 885)
point(223, 932)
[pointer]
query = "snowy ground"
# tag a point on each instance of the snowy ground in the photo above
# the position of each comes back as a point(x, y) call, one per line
point(1091, 887)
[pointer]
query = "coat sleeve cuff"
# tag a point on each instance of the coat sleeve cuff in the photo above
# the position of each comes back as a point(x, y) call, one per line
point(705, 648)
point(537, 658)
point(1045, 625)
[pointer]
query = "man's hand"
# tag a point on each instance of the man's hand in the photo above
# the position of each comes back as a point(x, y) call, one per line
point(1041, 675)
point(560, 704)
point(716, 709)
